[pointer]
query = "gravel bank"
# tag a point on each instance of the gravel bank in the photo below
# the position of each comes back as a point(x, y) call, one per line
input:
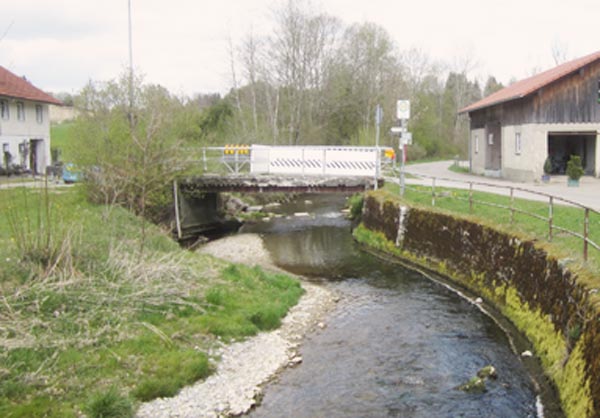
point(246, 366)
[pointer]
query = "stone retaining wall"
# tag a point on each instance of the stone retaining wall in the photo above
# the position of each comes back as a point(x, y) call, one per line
point(533, 289)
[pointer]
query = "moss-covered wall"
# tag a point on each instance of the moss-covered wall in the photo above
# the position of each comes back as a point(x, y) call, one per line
point(539, 295)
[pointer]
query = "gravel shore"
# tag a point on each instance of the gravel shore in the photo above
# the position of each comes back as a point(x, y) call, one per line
point(246, 366)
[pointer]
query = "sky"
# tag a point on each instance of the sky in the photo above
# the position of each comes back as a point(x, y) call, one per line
point(183, 45)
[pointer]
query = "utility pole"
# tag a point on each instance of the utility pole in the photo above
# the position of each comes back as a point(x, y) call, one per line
point(130, 67)
point(405, 137)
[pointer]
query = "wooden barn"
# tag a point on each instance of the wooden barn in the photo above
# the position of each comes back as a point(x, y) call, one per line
point(553, 114)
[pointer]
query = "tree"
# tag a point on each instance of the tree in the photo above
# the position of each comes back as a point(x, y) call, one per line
point(130, 153)
point(491, 86)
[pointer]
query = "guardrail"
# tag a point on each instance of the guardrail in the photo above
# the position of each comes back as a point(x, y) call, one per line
point(551, 200)
point(299, 160)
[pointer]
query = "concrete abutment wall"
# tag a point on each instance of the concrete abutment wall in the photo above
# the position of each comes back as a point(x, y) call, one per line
point(533, 289)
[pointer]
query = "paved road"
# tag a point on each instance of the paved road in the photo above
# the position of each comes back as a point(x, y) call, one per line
point(588, 192)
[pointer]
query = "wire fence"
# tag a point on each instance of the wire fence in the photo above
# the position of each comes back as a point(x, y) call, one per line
point(433, 186)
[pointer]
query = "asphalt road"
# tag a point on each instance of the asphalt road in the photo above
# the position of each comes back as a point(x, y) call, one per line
point(587, 194)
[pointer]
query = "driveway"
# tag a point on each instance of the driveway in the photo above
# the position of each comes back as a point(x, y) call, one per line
point(588, 192)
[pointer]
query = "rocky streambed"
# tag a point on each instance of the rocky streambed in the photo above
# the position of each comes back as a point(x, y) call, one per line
point(247, 365)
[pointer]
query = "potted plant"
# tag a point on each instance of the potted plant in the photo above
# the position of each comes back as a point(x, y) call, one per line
point(547, 170)
point(574, 171)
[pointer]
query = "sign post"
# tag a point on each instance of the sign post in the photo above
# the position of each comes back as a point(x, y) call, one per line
point(378, 119)
point(405, 137)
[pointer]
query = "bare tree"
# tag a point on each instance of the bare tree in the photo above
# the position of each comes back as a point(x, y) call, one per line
point(560, 51)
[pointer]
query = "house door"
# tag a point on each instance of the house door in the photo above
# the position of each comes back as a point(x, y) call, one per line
point(493, 155)
point(36, 158)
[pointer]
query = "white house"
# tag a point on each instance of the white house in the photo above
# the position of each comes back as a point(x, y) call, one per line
point(24, 123)
point(554, 114)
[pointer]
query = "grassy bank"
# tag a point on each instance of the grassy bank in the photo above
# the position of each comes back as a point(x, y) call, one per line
point(563, 245)
point(88, 323)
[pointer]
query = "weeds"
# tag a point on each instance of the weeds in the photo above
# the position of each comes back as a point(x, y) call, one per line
point(113, 318)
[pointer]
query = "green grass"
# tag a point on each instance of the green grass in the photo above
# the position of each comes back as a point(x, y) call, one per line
point(562, 244)
point(60, 139)
point(106, 316)
point(458, 169)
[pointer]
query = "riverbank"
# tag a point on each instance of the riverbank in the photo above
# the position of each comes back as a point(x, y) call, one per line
point(530, 285)
point(246, 366)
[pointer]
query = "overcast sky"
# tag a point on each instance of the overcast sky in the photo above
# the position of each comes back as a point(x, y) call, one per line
point(182, 44)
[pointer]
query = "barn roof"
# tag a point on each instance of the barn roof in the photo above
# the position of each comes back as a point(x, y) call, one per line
point(12, 85)
point(532, 84)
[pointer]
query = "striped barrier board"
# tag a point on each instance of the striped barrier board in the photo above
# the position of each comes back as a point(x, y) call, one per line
point(314, 160)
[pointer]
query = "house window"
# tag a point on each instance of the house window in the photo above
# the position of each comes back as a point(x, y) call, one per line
point(4, 110)
point(518, 143)
point(490, 139)
point(476, 147)
point(39, 113)
point(20, 111)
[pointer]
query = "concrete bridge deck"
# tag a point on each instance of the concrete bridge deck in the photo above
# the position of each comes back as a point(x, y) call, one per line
point(260, 183)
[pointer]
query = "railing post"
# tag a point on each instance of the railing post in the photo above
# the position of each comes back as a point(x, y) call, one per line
point(204, 158)
point(324, 162)
point(512, 205)
point(471, 197)
point(303, 161)
point(550, 216)
point(586, 231)
point(433, 191)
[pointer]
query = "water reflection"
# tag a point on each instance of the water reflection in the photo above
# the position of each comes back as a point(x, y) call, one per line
point(397, 345)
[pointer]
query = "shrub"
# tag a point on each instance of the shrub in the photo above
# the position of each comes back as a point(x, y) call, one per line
point(356, 204)
point(574, 168)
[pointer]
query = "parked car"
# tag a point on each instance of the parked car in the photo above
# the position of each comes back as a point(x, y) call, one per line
point(70, 173)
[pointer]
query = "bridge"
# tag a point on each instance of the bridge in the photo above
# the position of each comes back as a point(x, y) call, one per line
point(262, 169)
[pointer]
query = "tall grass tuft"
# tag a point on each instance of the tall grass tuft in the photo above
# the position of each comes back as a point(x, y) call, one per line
point(39, 234)
point(109, 404)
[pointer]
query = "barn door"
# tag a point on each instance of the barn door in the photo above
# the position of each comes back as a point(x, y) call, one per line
point(493, 155)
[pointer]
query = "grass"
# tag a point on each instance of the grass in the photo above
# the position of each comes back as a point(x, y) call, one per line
point(459, 169)
point(562, 244)
point(112, 326)
point(60, 137)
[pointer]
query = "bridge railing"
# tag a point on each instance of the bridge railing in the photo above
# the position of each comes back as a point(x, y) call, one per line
point(299, 160)
point(434, 186)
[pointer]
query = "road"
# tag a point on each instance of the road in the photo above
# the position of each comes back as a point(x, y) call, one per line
point(587, 194)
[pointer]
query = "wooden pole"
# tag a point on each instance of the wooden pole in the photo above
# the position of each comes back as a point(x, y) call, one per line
point(471, 197)
point(176, 200)
point(512, 205)
point(586, 231)
point(550, 216)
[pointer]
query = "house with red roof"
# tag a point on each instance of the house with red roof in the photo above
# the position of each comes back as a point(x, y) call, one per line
point(24, 124)
point(554, 114)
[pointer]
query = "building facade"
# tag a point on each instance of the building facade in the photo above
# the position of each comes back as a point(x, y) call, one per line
point(24, 124)
point(554, 114)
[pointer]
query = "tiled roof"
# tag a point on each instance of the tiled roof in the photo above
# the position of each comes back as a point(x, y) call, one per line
point(529, 85)
point(17, 87)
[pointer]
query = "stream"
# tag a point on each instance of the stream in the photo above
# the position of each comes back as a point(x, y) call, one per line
point(397, 344)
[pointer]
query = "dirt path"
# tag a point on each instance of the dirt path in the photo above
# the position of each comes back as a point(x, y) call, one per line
point(246, 366)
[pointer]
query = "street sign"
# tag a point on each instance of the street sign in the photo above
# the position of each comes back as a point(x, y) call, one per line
point(403, 109)
point(398, 129)
point(406, 138)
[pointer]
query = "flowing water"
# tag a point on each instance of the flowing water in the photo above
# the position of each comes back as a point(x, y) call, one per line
point(397, 345)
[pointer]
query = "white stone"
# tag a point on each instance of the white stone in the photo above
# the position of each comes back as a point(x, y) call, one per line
point(526, 353)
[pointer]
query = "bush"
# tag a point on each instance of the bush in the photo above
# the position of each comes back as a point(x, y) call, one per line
point(548, 166)
point(574, 168)
point(356, 204)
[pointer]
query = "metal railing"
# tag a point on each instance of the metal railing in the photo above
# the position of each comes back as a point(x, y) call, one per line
point(301, 160)
point(528, 194)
